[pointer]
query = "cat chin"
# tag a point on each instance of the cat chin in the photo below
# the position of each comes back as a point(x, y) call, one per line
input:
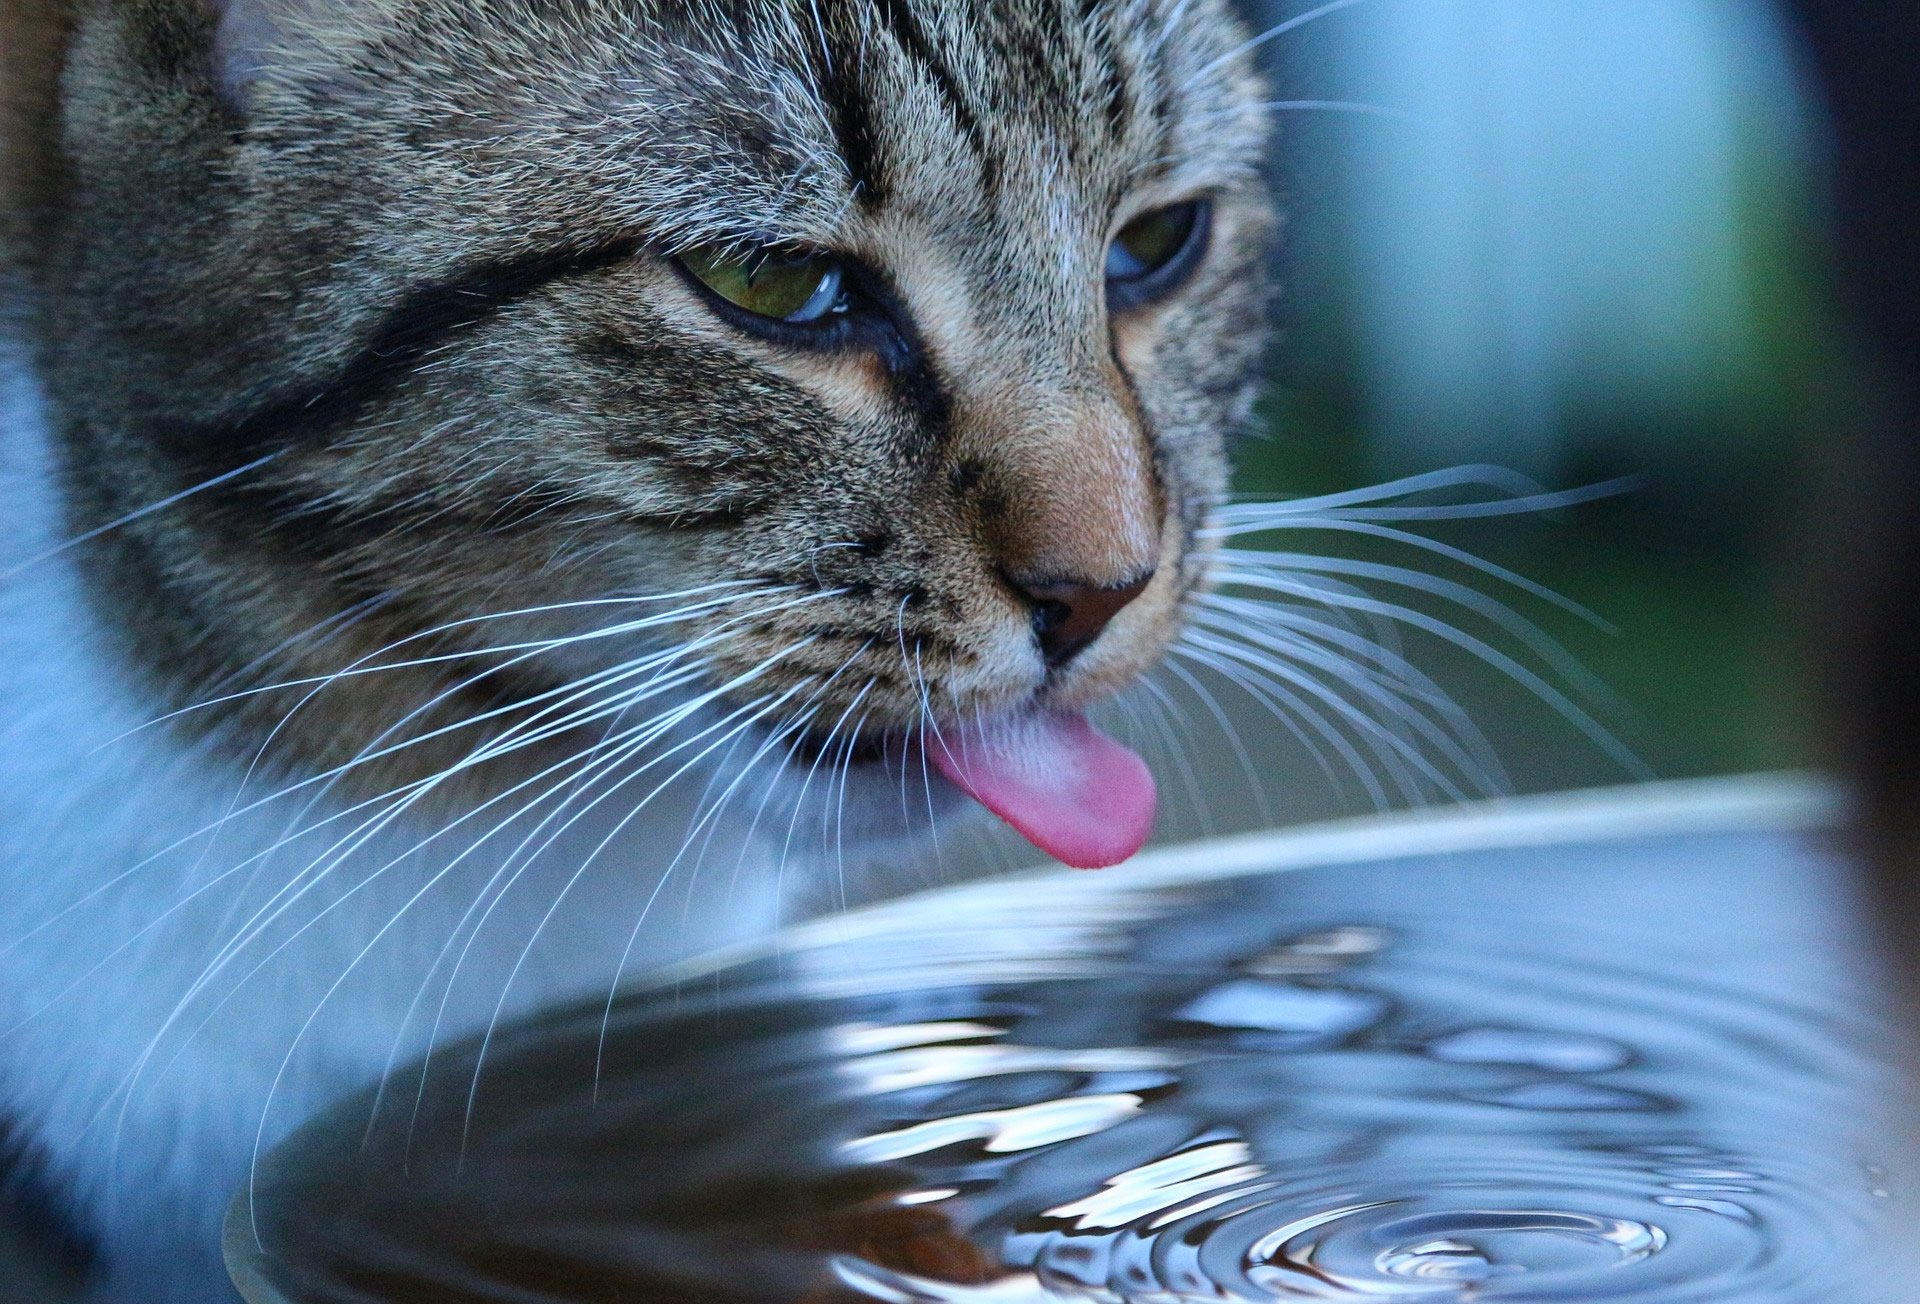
point(889, 801)
point(899, 798)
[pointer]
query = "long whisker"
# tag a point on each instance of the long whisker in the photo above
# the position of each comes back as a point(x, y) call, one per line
point(486, 1040)
point(1519, 489)
point(929, 727)
point(639, 736)
point(1277, 30)
point(840, 807)
point(421, 892)
point(624, 744)
point(138, 514)
point(1285, 704)
point(578, 782)
point(1273, 699)
point(1340, 524)
point(807, 782)
point(367, 664)
point(1176, 737)
point(795, 726)
point(1401, 756)
point(1283, 626)
point(1230, 732)
point(278, 908)
point(324, 780)
point(1349, 659)
point(1492, 656)
point(275, 909)
point(1386, 697)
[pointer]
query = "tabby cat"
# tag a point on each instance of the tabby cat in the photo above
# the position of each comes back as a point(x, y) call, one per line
point(490, 483)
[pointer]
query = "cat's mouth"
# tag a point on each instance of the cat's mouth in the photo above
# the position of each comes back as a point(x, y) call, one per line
point(1075, 793)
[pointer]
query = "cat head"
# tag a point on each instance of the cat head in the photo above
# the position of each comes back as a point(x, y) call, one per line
point(846, 369)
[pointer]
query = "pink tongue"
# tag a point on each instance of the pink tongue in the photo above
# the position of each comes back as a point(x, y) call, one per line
point(1069, 789)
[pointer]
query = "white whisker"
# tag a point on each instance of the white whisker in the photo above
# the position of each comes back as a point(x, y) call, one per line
point(653, 729)
point(325, 780)
point(1353, 660)
point(929, 727)
point(1175, 736)
point(361, 667)
point(141, 513)
point(1285, 704)
point(1492, 656)
point(1339, 106)
point(1339, 524)
point(1277, 30)
point(1402, 757)
point(1469, 755)
point(1229, 731)
point(758, 712)
point(323, 866)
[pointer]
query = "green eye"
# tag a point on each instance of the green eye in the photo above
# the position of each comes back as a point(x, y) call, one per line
point(771, 283)
point(1154, 250)
point(1150, 242)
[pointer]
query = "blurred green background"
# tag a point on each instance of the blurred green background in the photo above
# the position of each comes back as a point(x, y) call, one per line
point(1578, 240)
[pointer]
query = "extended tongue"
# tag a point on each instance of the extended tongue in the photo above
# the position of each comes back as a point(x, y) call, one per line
point(1069, 789)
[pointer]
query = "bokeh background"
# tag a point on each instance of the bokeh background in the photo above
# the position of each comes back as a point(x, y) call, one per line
point(1579, 240)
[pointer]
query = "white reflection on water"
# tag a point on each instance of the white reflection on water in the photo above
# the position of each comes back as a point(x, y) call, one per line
point(1001, 1131)
point(1535, 1073)
point(1618, 1048)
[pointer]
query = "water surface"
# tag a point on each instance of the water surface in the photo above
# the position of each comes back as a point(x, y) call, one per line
point(1620, 1050)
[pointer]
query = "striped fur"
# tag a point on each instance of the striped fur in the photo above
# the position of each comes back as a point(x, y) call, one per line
point(380, 297)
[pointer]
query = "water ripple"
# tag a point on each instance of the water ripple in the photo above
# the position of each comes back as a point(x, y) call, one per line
point(1525, 1074)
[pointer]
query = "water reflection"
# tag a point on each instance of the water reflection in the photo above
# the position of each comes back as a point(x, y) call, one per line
point(1642, 1065)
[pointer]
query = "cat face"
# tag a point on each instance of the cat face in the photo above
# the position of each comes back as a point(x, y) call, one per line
point(841, 369)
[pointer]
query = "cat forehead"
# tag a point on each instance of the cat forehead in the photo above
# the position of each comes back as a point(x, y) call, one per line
point(783, 122)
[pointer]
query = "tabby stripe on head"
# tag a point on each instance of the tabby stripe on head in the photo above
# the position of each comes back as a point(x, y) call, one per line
point(408, 333)
point(913, 43)
point(1119, 95)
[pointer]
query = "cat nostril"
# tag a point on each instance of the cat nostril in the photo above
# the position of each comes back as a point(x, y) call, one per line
point(1049, 617)
point(1067, 618)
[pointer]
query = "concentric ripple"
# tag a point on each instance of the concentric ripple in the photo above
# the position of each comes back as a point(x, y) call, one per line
point(1637, 1070)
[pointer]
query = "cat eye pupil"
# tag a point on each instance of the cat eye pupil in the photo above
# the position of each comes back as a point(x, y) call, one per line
point(1150, 242)
point(774, 283)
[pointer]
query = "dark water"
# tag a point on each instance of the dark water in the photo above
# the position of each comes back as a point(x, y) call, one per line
point(1641, 1063)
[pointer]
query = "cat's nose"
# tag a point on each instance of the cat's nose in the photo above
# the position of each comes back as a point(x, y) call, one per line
point(1068, 617)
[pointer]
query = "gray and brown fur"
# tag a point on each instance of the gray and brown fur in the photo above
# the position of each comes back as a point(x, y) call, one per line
point(421, 253)
point(387, 290)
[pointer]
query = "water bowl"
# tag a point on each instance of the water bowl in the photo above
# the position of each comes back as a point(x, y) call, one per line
point(1616, 1046)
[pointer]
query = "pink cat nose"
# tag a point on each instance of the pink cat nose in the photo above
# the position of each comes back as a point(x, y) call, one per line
point(1068, 617)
